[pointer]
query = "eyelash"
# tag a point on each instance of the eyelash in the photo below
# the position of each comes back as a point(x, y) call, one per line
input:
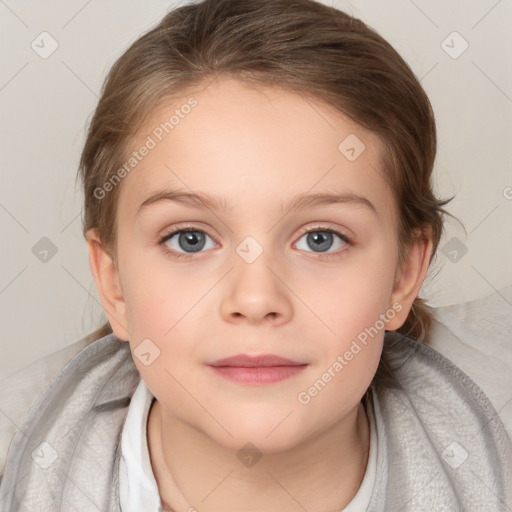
point(167, 236)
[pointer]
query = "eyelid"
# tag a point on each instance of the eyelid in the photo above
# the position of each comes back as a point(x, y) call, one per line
point(324, 227)
point(183, 227)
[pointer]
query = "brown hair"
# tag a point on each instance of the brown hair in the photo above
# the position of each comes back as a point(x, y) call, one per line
point(299, 45)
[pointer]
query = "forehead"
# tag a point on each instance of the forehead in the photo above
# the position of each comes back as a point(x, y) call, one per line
point(254, 145)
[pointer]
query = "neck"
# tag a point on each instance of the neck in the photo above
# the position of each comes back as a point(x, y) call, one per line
point(188, 463)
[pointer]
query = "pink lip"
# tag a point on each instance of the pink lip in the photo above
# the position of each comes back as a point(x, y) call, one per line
point(260, 369)
point(252, 361)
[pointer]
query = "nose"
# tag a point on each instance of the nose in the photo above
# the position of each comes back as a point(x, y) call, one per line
point(256, 292)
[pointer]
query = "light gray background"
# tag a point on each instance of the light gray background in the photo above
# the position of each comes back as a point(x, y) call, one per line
point(46, 103)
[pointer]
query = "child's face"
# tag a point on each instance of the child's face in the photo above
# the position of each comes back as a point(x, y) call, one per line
point(257, 285)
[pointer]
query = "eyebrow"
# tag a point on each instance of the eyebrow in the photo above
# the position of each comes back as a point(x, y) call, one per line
point(219, 203)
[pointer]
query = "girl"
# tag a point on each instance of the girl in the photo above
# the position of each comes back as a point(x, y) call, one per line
point(260, 220)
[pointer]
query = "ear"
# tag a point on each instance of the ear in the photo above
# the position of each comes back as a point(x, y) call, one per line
point(409, 279)
point(106, 277)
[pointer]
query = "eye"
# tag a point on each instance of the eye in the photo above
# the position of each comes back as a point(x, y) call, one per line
point(190, 240)
point(185, 242)
point(321, 239)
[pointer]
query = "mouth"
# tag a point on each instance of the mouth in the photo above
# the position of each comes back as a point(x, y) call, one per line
point(258, 369)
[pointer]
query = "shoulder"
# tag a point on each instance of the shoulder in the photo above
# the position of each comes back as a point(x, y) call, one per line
point(477, 336)
point(429, 379)
point(19, 391)
point(474, 336)
point(444, 439)
point(99, 379)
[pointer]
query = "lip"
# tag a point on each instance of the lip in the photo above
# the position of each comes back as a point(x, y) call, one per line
point(256, 369)
point(251, 361)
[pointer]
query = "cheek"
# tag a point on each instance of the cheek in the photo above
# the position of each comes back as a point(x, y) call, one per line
point(154, 296)
point(160, 316)
point(356, 294)
point(355, 305)
point(340, 385)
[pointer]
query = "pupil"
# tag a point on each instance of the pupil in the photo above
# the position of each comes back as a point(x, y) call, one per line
point(321, 240)
point(195, 239)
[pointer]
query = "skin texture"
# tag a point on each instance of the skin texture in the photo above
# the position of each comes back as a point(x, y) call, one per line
point(257, 148)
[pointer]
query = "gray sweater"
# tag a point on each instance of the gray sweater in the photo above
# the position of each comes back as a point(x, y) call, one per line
point(441, 445)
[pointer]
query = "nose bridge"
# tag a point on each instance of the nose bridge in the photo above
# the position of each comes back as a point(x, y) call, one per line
point(255, 235)
point(255, 291)
point(251, 250)
point(254, 261)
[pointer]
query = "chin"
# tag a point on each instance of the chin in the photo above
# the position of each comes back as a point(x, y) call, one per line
point(270, 435)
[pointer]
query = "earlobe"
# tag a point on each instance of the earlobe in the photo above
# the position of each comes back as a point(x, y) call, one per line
point(106, 277)
point(409, 280)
